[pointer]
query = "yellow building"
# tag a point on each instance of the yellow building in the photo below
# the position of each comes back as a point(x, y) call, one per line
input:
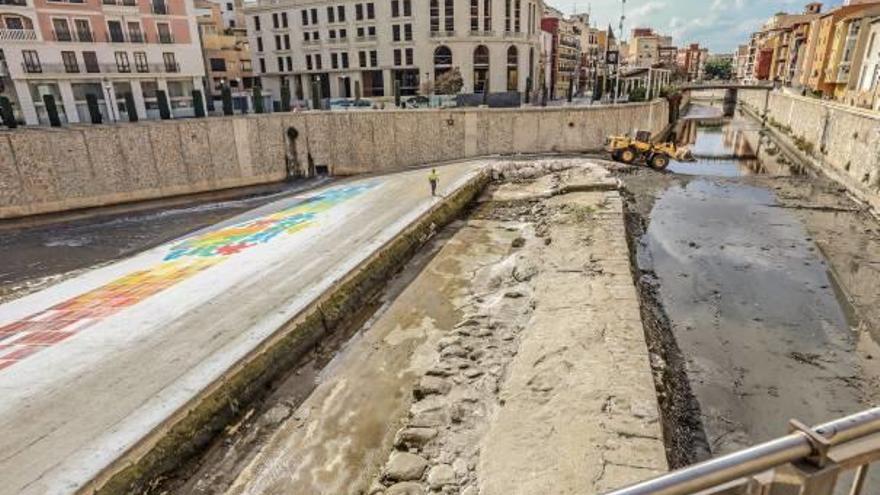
point(847, 53)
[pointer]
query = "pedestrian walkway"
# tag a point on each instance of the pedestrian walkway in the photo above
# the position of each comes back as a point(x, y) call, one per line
point(92, 365)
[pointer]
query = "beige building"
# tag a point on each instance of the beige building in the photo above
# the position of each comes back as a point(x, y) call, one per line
point(343, 47)
point(226, 51)
point(645, 47)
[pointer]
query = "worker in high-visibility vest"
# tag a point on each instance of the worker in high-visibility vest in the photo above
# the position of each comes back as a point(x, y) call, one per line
point(433, 178)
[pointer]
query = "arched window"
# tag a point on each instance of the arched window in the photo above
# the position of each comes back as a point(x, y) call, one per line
point(481, 68)
point(442, 60)
point(512, 69)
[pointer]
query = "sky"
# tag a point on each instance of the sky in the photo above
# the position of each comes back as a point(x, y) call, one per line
point(720, 25)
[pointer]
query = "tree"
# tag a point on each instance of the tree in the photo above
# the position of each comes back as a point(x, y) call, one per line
point(638, 94)
point(719, 69)
point(449, 83)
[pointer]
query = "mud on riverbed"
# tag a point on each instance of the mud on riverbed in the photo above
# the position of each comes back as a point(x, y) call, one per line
point(761, 301)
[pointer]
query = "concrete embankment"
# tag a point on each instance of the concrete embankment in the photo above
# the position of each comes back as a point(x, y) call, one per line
point(841, 142)
point(210, 411)
point(55, 170)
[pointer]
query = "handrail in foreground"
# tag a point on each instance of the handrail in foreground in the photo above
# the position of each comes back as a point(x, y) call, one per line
point(815, 456)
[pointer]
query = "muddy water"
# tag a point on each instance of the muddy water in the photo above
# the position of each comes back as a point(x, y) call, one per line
point(765, 330)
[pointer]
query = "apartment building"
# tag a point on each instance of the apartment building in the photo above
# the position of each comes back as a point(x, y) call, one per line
point(565, 55)
point(692, 60)
point(867, 92)
point(343, 47)
point(226, 51)
point(107, 48)
point(848, 47)
point(645, 47)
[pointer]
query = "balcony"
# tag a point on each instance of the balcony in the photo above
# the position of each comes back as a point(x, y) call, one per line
point(483, 34)
point(442, 34)
point(135, 37)
point(166, 38)
point(18, 35)
point(107, 69)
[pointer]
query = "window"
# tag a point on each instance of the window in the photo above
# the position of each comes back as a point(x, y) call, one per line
point(475, 15)
point(31, 61)
point(344, 58)
point(217, 64)
point(362, 59)
point(284, 20)
point(114, 30)
point(287, 42)
point(371, 31)
point(61, 29)
point(517, 16)
point(409, 56)
point(259, 44)
point(340, 13)
point(289, 63)
point(277, 42)
point(331, 34)
point(343, 34)
point(450, 15)
point(90, 60)
point(318, 62)
point(374, 58)
point(331, 14)
point(407, 32)
point(435, 16)
point(334, 60)
point(69, 59)
point(170, 62)
point(395, 8)
point(371, 12)
point(407, 8)
point(305, 17)
point(307, 36)
point(280, 64)
point(359, 12)
point(395, 32)
point(507, 16)
point(481, 68)
point(229, 6)
point(257, 23)
point(164, 33)
point(487, 15)
point(83, 30)
point(122, 64)
point(275, 22)
point(512, 69)
point(314, 13)
point(397, 57)
point(262, 65)
point(134, 32)
point(308, 62)
point(140, 62)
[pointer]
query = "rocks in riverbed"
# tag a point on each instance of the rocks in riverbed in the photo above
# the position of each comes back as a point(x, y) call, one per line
point(414, 437)
point(403, 466)
point(440, 476)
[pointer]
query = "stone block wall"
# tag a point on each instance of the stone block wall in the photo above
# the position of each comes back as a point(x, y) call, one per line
point(843, 141)
point(54, 170)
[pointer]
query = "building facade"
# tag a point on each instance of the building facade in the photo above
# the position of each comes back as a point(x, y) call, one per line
point(692, 60)
point(344, 48)
point(226, 51)
point(107, 48)
point(565, 58)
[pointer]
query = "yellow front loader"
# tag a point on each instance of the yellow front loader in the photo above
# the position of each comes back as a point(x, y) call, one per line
point(657, 155)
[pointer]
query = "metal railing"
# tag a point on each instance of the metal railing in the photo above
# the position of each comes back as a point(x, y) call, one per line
point(811, 462)
point(18, 35)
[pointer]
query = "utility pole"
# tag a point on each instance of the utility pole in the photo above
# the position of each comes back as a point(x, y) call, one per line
point(619, 54)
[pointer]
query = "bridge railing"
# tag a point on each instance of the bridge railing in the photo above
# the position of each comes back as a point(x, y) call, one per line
point(809, 461)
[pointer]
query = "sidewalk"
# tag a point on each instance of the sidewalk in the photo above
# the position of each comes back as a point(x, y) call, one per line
point(91, 366)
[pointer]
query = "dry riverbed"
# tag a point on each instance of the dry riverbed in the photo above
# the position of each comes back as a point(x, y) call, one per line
point(507, 356)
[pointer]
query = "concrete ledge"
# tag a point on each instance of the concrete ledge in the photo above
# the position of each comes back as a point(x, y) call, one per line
point(192, 427)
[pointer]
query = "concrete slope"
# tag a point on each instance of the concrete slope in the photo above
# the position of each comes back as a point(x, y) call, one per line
point(92, 365)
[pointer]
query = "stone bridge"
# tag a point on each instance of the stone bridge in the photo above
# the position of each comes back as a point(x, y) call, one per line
point(731, 92)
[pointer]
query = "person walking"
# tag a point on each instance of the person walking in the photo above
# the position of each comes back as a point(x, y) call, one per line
point(433, 178)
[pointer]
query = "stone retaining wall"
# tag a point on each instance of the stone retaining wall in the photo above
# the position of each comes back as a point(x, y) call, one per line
point(54, 170)
point(843, 142)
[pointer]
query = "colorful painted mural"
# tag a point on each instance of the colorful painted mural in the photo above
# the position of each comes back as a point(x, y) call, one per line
point(23, 338)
